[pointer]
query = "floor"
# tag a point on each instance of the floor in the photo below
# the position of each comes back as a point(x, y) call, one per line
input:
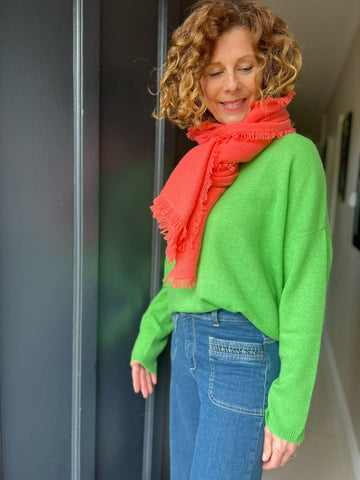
point(321, 456)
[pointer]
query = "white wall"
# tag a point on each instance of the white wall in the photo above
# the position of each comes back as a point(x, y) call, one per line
point(343, 306)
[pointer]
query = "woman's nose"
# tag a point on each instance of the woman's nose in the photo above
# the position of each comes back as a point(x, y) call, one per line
point(231, 83)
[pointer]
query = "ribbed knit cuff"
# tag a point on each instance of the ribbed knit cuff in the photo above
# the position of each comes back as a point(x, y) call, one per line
point(138, 355)
point(283, 431)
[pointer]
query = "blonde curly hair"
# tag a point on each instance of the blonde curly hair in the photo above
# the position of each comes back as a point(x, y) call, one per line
point(193, 42)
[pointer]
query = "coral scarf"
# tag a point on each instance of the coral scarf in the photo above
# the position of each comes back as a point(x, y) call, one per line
point(203, 175)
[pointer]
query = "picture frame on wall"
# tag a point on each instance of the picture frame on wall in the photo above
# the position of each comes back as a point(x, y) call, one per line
point(344, 155)
point(356, 234)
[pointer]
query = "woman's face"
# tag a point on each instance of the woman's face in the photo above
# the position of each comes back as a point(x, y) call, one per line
point(229, 81)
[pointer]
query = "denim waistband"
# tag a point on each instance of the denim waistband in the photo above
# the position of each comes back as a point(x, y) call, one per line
point(219, 315)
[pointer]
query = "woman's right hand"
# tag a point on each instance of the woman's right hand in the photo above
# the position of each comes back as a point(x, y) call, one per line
point(143, 380)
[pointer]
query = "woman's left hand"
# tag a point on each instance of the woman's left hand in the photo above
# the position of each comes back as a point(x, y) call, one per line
point(143, 379)
point(276, 451)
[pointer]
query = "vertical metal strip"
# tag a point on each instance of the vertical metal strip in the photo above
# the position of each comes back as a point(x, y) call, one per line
point(156, 241)
point(2, 476)
point(78, 236)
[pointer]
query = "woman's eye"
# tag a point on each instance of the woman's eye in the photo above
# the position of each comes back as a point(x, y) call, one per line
point(245, 69)
point(214, 74)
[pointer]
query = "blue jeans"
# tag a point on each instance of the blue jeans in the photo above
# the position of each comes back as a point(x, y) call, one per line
point(222, 367)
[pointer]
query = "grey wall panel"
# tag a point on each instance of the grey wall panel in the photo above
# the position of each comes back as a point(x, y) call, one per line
point(36, 226)
point(91, 64)
point(128, 55)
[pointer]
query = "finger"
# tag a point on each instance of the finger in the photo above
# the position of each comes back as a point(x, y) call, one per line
point(274, 461)
point(149, 384)
point(281, 453)
point(289, 454)
point(154, 378)
point(267, 445)
point(136, 378)
point(278, 450)
point(135, 373)
point(285, 459)
point(143, 383)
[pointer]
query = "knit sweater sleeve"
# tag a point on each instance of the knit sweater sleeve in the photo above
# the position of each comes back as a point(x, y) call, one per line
point(155, 328)
point(307, 260)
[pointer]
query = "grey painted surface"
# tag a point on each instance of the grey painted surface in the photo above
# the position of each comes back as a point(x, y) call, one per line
point(37, 239)
point(90, 34)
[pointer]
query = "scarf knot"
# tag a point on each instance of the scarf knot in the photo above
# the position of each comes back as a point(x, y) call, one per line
point(203, 175)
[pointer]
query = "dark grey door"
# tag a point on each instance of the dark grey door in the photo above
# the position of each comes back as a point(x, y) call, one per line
point(48, 237)
point(77, 168)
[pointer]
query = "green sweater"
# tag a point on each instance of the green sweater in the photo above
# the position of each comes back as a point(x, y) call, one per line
point(267, 253)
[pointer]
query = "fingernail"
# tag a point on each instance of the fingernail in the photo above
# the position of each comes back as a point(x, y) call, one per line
point(264, 457)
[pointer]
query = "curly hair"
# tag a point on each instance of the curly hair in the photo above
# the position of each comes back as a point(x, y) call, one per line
point(277, 54)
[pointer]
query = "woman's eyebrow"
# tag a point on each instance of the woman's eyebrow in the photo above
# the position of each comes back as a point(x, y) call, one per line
point(245, 57)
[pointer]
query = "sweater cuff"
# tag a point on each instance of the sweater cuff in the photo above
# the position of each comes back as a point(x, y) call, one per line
point(150, 365)
point(282, 431)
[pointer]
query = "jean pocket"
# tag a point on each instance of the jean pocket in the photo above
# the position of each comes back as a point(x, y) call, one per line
point(237, 376)
point(174, 336)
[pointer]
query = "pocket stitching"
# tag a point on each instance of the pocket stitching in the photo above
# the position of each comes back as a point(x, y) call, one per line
point(243, 351)
point(259, 356)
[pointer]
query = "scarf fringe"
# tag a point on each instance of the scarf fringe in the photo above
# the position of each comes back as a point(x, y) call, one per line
point(247, 136)
point(258, 135)
point(281, 101)
point(179, 282)
point(171, 226)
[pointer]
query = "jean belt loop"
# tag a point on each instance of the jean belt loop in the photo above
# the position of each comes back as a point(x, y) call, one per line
point(215, 318)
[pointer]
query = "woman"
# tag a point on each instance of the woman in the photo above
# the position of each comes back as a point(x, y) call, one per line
point(248, 249)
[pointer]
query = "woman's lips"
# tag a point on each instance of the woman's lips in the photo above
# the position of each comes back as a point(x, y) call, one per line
point(233, 105)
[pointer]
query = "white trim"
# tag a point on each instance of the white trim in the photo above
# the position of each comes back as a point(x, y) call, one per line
point(341, 414)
